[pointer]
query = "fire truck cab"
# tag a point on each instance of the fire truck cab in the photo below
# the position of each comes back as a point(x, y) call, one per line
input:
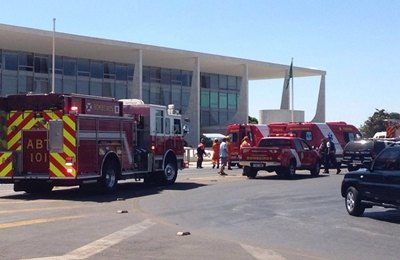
point(49, 140)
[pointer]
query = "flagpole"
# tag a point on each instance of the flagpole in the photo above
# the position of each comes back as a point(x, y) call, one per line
point(291, 64)
point(53, 57)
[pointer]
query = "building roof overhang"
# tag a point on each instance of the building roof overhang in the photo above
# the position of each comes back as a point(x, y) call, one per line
point(40, 41)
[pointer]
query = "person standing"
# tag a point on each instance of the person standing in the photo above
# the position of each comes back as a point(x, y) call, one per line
point(201, 151)
point(215, 157)
point(223, 155)
point(332, 155)
point(245, 142)
point(323, 153)
point(229, 146)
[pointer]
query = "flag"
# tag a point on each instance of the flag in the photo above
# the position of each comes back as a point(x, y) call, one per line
point(290, 75)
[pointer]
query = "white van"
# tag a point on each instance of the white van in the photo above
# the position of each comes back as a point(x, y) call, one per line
point(379, 135)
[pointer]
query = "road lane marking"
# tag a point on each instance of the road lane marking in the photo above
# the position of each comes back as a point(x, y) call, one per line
point(37, 209)
point(37, 221)
point(102, 244)
point(261, 253)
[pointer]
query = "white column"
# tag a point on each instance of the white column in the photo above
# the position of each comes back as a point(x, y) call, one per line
point(320, 111)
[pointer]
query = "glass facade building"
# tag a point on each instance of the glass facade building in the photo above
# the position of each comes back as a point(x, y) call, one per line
point(22, 72)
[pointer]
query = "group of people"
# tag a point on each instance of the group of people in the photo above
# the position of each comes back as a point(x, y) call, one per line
point(327, 153)
point(221, 153)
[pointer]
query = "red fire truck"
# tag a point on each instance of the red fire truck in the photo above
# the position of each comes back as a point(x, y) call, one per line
point(236, 132)
point(340, 132)
point(49, 140)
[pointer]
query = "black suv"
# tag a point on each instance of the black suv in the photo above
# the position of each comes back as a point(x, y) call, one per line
point(377, 186)
point(360, 153)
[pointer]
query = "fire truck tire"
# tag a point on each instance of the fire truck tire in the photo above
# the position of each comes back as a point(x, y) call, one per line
point(169, 175)
point(109, 178)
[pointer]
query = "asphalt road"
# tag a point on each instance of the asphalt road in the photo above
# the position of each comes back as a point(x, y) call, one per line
point(202, 216)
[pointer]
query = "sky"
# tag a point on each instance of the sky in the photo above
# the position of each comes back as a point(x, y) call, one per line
point(356, 42)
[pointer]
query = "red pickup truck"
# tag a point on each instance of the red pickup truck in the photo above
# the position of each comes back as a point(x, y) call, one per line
point(283, 154)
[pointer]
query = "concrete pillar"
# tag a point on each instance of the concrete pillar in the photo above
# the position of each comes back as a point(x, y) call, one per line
point(321, 105)
point(285, 93)
point(193, 111)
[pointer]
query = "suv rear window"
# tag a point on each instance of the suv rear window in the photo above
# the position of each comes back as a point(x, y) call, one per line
point(274, 142)
point(364, 145)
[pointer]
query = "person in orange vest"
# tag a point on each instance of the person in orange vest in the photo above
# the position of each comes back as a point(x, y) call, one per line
point(229, 146)
point(215, 157)
point(245, 142)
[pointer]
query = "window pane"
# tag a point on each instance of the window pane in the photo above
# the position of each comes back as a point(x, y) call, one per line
point(95, 88)
point(155, 74)
point(121, 72)
point(205, 80)
point(166, 94)
point(9, 84)
point(131, 71)
point(83, 68)
point(223, 82)
point(10, 61)
point(232, 100)
point(83, 86)
point(205, 99)
point(25, 83)
point(41, 85)
point(108, 89)
point(165, 76)
point(176, 77)
point(96, 69)
point(205, 118)
point(186, 78)
point(146, 93)
point(69, 67)
point(69, 86)
point(25, 62)
point(232, 82)
point(109, 70)
point(214, 99)
point(223, 100)
point(185, 101)
point(120, 90)
point(214, 117)
point(41, 65)
point(146, 74)
point(214, 81)
point(223, 117)
point(176, 96)
point(155, 93)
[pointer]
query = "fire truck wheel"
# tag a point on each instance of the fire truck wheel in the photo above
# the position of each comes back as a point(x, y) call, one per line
point(315, 171)
point(168, 176)
point(250, 172)
point(291, 170)
point(109, 178)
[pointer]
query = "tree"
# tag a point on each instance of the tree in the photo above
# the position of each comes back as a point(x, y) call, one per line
point(253, 120)
point(377, 122)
